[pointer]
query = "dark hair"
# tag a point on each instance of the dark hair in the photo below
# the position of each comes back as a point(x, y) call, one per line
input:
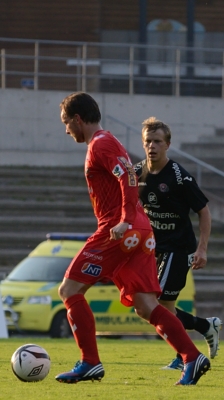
point(84, 105)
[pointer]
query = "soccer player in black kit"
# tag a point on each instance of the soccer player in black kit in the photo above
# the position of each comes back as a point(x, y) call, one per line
point(168, 193)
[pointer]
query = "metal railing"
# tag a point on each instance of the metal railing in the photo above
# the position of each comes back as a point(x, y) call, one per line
point(111, 67)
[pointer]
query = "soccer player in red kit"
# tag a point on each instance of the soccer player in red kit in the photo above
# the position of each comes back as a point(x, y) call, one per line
point(121, 249)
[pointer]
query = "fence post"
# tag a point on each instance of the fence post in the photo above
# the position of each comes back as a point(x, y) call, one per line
point(84, 56)
point(78, 70)
point(131, 70)
point(177, 77)
point(36, 65)
point(223, 75)
point(3, 79)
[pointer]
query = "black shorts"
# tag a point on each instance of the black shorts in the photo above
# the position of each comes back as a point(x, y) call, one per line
point(172, 273)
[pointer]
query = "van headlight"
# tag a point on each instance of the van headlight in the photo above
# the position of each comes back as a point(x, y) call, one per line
point(39, 300)
point(8, 300)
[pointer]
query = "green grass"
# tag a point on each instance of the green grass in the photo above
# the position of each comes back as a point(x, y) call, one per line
point(132, 372)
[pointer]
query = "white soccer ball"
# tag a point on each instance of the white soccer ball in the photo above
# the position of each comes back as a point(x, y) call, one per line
point(30, 363)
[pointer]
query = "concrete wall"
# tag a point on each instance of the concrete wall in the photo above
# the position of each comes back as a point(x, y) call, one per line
point(31, 132)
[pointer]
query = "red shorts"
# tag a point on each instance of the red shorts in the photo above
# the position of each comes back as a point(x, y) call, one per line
point(129, 262)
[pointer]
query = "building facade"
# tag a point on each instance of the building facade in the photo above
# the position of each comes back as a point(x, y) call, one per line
point(88, 20)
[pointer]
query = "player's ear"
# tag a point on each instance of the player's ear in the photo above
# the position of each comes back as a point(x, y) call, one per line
point(168, 145)
point(77, 118)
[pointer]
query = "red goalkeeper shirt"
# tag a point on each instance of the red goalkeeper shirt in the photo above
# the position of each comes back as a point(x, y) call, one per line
point(112, 183)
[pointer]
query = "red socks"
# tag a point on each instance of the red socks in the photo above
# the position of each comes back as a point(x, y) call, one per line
point(167, 325)
point(171, 329)
point(82, 322)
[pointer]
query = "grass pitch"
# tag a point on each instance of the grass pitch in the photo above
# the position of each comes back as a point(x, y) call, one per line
point(132, 372)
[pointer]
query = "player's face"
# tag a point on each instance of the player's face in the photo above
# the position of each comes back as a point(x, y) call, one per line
point(73, 127)
point(155, 145)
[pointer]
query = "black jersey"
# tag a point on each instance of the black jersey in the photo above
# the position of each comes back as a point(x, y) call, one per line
point(167, 198)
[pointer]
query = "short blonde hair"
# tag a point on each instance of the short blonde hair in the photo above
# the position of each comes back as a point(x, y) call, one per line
point(152, 124)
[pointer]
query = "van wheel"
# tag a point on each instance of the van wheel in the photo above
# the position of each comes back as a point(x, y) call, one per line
point(60, 327)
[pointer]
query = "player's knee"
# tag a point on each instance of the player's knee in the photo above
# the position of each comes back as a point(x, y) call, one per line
point(143, 313)
point(61, 291)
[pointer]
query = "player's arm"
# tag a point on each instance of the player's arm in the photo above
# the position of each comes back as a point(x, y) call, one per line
point(200, 257)
point(128, 187)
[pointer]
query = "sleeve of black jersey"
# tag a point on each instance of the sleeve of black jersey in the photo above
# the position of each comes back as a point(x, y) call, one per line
point(138, 168)
point(193, 194)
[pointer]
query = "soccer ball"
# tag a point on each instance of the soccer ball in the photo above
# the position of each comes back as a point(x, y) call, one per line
point(30, 363)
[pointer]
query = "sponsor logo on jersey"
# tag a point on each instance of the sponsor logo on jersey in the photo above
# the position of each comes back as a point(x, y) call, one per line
point(132, 178)
point(89, 254)
point(188, 178)
point(163, 188)
point(172, 293)
point(154, 214)
point(130, 241)
point(177, 173)
point(162, 226)
point(91, 269)
point(149, 244)
point(152, 198)
point(118, 171)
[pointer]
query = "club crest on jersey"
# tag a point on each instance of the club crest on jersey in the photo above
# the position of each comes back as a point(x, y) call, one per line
point(91, 269)
point(163, 188)
point(118, 171)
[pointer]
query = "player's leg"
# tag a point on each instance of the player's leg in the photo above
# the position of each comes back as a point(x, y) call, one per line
point(78, 278)
point(139, 286)
point(177, 362)
point(173, 332)
point(172, 280)
point(208, 327)
point(81, 320)
point(166, 324)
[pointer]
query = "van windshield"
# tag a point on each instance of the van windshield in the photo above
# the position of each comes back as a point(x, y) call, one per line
point(40, 269)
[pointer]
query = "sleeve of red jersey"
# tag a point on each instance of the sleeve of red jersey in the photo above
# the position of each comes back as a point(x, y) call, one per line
point(115, 159)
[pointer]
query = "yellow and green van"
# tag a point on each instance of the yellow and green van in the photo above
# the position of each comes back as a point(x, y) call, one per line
point(31, 302)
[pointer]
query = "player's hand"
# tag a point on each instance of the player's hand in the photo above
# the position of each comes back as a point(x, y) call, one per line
point(117, 232)
point(200, 260)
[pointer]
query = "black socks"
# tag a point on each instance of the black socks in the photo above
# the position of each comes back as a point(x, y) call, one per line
point(190, 322)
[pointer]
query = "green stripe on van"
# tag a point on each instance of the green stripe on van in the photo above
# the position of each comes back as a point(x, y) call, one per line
point(185, 305)
point(99, 306)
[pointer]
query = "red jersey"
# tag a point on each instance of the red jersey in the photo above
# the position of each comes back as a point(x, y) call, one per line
point(112, 183)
